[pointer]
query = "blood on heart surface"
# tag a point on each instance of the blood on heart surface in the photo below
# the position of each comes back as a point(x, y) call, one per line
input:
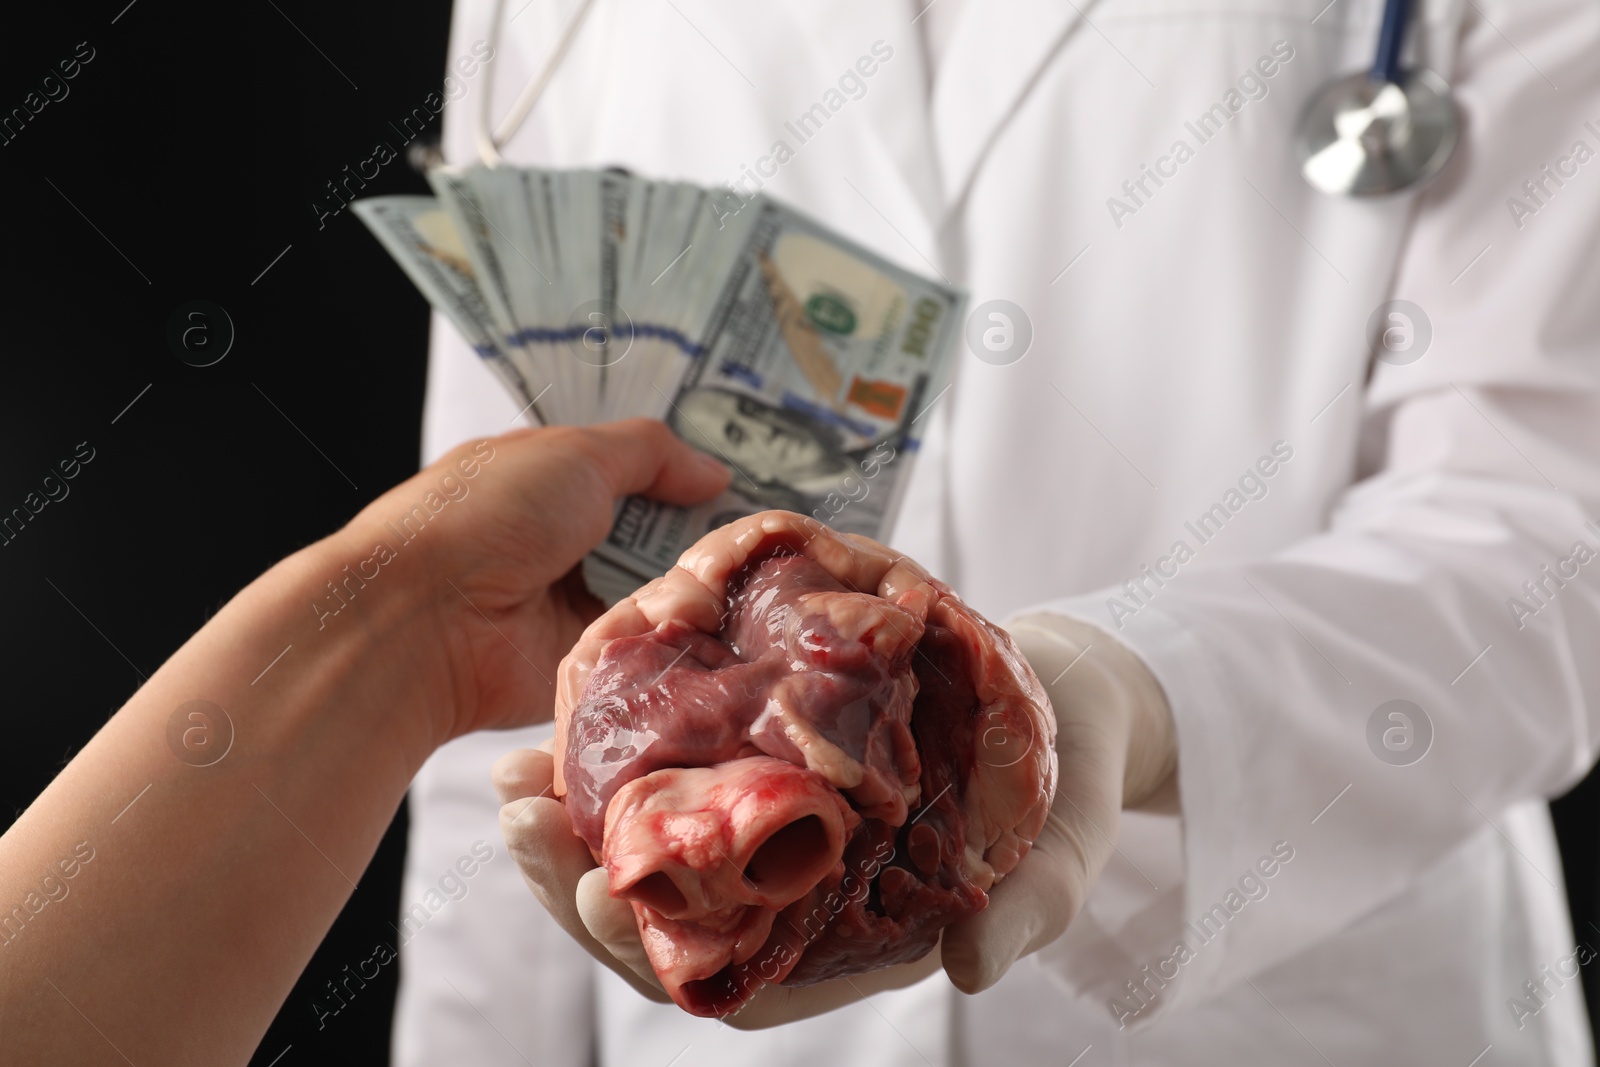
point(799, 757)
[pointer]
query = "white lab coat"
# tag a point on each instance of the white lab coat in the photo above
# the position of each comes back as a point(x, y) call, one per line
point(1226, 313)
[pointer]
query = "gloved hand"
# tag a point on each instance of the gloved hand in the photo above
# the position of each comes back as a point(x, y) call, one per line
point(1116, 746)
point(1117, 749)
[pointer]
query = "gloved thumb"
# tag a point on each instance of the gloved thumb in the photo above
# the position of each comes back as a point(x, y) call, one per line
point(611, 922)
point(1028, 910)
point(1101, 705)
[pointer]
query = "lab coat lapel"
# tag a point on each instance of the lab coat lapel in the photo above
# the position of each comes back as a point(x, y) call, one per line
point(896, 101)
point(993, 59)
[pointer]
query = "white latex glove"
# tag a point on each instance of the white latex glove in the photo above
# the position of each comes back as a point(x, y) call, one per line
point(1115, 740)
point(1117, 749)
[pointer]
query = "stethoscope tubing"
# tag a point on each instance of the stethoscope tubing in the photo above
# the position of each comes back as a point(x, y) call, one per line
point(1391, 37)
point(490, 138)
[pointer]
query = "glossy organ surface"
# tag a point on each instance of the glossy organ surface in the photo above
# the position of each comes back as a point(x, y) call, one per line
point(799, 757)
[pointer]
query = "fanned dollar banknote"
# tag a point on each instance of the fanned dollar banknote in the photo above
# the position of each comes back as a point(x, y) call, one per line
point(799, 358)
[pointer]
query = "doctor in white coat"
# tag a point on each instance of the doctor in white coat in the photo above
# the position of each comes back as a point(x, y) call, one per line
point(1366, 574)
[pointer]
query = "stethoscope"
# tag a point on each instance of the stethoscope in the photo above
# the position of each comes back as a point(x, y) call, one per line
point(1366, 134)
point(1381, 130)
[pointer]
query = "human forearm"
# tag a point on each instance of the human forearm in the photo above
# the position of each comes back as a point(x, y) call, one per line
point(211, 885)
point(214, 867)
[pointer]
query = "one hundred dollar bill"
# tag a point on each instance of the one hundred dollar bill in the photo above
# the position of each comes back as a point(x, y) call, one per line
point(802, 360)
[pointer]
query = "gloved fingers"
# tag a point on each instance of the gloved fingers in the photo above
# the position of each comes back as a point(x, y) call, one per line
point(1028, 910)
point(523, 773)
point(1032, 906)
point(611, 925)
point(775, 1005)
point(552, 859)
point(539, 836)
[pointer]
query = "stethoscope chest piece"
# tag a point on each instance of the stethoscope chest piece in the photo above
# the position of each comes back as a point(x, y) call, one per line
point(1363, 136)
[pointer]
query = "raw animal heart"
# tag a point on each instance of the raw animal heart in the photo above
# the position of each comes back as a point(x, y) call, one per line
point(799, 757)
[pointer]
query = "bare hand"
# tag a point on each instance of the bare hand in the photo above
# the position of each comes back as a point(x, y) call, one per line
point(505, 524)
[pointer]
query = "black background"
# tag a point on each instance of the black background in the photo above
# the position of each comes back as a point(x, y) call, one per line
point(194, 141)
point(184, 160)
